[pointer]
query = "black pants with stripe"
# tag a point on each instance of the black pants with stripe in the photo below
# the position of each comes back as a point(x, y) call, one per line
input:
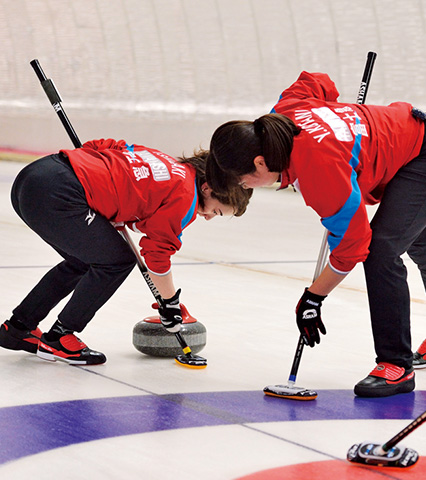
point(399, 226)
point(50, 199)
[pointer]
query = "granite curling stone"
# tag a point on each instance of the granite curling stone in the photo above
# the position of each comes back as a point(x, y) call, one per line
point(151, 338)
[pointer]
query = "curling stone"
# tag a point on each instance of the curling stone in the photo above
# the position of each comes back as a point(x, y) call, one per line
point(151, 338)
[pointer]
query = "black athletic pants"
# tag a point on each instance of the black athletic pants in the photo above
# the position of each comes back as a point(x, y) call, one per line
point(399, 226)
point(50, 199)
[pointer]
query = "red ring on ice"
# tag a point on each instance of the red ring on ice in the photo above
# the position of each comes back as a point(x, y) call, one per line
point(338, 469)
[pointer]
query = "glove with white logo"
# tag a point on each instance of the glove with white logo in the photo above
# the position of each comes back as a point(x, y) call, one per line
point(308, 317)
point(170, 313)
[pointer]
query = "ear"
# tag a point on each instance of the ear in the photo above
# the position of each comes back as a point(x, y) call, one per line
point(260, 164)
point(205, 188)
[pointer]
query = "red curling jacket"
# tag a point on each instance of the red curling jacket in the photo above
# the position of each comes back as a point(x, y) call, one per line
point(344, 157)
point(146, 189)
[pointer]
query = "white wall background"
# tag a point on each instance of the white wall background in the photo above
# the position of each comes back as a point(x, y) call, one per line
point(166, 73)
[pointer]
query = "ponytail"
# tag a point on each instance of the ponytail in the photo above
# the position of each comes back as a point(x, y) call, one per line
point(235, 145)
point(276, 133)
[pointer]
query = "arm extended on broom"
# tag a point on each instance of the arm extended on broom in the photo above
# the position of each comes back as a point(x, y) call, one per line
point(322, 256)
point(145, 273)
point(55, 99)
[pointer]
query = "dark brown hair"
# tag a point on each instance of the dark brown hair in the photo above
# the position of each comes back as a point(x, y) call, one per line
point(237, 197)
point(235, 145)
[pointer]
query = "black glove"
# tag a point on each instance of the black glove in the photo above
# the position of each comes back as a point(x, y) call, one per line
point(308, 317)
point(170, 314)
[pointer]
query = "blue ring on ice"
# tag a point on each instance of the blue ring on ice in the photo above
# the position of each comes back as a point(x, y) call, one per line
point(30, 429)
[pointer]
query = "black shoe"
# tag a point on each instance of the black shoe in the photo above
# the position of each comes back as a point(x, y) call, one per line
point(419, 357)
point(385, 380)
point(15, 339)
point(69, 349)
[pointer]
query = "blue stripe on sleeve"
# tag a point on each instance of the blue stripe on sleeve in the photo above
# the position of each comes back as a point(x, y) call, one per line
point(338, 223)
point(273, 109)
point(187, 218)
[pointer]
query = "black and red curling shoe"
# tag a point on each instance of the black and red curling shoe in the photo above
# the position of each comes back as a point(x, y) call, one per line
point(386, 379)
point(70, 349)
point(15, 339)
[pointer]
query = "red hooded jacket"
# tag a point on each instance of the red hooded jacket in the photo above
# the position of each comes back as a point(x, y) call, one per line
point(144, 188)
point(343, 159)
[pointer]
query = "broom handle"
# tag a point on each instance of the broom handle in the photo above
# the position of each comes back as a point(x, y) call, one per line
point(403, 433)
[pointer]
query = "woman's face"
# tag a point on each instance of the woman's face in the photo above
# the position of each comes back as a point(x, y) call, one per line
point(212, 206)
point(261, 177)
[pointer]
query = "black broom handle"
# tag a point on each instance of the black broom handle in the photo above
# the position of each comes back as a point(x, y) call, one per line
point(55, 99)
point(403, 433)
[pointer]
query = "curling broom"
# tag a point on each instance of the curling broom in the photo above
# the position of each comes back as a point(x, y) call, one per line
point(290, 391)
point(388, 454)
